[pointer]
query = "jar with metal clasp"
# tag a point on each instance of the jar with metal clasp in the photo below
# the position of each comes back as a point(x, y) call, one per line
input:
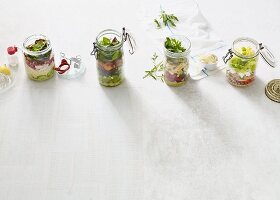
point(108, 51)
point(242, 60)
point(176, 66)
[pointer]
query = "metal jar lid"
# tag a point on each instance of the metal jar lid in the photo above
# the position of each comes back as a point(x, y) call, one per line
point(272, 90)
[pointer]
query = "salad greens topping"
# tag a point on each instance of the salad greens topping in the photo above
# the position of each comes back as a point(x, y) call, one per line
point(107, 42)
point(38, 45)
point(167, 20)
point(244, 65)
point(109, 55)
point(174, 45)
point(156, 72)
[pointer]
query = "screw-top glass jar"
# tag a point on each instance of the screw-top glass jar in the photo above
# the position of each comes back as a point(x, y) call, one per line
point(38, 58)
point(177, 63)
point(243, 59)
point(108, 50)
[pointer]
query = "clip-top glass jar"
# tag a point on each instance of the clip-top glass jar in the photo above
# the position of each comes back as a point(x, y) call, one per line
point(243, 59)
point(177, 64)
point(108, 50)
point(38, 58)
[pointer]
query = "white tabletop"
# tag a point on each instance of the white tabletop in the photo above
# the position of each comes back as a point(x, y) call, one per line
point(71, 140)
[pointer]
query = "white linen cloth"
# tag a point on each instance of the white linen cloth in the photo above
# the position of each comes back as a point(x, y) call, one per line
point(192, 24)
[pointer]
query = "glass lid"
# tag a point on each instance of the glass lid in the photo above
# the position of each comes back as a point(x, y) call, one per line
point(245, 47)
point(267, 55)
point(70, 68)
point(7, 78)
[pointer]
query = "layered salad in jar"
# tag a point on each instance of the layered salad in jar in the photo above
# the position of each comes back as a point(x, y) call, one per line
point(38, 58)
point(110, 61)
point(176, 63)
point(241, 69)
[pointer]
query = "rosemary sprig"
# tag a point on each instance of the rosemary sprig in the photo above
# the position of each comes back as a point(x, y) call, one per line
point(157, 23)
point(167, 19)
point(157, 70)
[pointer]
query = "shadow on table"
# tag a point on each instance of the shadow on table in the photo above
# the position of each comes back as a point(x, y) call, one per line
point(253, 92)
point(189, 93)
point(209, 112)
point(126, 102)
point(40, 95)
point(19, 88)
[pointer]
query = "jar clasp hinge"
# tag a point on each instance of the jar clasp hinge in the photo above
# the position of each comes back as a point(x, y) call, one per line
point(228, 56)
point(128, 36)
point(267, 55)
point(261, 46)
point(94, 50)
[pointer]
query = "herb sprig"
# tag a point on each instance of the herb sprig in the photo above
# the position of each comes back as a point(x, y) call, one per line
point(174, 45)
point(157, 70)
point(167, 19)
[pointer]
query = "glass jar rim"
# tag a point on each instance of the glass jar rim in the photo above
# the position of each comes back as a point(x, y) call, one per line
point(35, 53)
point(252, 41)
point(109, 48)
point(182, 38)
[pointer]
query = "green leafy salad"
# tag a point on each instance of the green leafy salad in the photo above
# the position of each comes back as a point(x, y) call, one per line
point(244, 65)
point(109, 62)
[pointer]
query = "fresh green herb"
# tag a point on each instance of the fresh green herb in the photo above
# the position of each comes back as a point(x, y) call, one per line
point(167, 20)
point(157, 23)
point(107, 42)
point(157, 69)
point(174, 45)
point(109, 55)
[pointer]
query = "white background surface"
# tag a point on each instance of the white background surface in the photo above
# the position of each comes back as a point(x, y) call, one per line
point(74, 139)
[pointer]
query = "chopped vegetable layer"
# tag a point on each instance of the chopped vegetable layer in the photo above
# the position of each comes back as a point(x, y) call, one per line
point(39, 67)
point(176, 68)
point(242, 70)
point(109, 63)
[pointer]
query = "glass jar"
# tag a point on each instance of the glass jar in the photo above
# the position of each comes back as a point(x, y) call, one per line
point(108, 50)
point(243, 59)
point(109, 59)
point(177, 64)
point(38, 58)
